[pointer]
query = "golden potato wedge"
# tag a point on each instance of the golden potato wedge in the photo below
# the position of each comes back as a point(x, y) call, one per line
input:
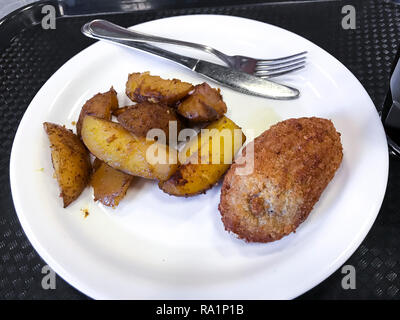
point(144, 87)
point(144, 116)
point(204, 161)
point(203, 105)
point(70, 161)
point(120, 149)
point(101, 105)
point(109, 184)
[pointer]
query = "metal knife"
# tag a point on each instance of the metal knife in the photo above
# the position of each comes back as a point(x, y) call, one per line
point(236, 80)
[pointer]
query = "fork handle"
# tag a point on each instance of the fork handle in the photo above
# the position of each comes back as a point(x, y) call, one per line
point(107, 29)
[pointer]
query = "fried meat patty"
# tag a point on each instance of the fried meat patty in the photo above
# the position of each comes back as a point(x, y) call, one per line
point(293, 163)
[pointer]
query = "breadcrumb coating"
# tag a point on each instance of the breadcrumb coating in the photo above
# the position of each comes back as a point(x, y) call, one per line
point(293, 163)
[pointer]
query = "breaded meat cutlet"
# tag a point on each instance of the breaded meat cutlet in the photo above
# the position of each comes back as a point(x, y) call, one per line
point(293, 163)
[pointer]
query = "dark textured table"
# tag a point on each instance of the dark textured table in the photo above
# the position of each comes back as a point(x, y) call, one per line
point(29, 55)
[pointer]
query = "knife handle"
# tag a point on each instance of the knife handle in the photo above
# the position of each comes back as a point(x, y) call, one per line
point(104, 30)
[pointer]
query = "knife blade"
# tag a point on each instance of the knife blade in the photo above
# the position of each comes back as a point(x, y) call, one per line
point(236, 80)
point(244, 82)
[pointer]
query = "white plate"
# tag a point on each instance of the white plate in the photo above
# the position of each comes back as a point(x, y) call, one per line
point(156, 246)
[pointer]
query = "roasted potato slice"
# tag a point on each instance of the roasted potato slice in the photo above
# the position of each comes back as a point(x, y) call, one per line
point(119, 111)
point(142, 117)
point(144, 87)
point(120, 149)
point(199, 171)
point(203, 105)
point(70, 161)
point(101, 105)
point(109, 184)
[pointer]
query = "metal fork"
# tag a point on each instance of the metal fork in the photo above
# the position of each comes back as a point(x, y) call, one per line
point(264, 68)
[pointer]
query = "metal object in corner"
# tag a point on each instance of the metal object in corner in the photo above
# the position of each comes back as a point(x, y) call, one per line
point(390, 114)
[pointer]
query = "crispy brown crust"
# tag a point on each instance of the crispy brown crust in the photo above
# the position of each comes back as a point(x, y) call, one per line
point(100, 105)
point(293, 163)
point(204, 104)
point(142, 117)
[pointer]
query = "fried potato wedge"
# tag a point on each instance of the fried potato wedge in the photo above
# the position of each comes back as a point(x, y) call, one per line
point(109, 184)
point(119, 111)
point(70, 161)
point(205, 159)
point(144, 87)
point(203, 105)
point(101, 105)
point(120, 149)
point(144, 116)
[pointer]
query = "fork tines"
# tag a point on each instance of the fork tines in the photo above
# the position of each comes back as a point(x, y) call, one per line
point(280, 66)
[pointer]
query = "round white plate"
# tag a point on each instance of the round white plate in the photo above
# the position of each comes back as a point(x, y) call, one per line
point(154, 246)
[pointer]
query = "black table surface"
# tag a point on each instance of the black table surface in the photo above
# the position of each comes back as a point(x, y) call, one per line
point(29, 55)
